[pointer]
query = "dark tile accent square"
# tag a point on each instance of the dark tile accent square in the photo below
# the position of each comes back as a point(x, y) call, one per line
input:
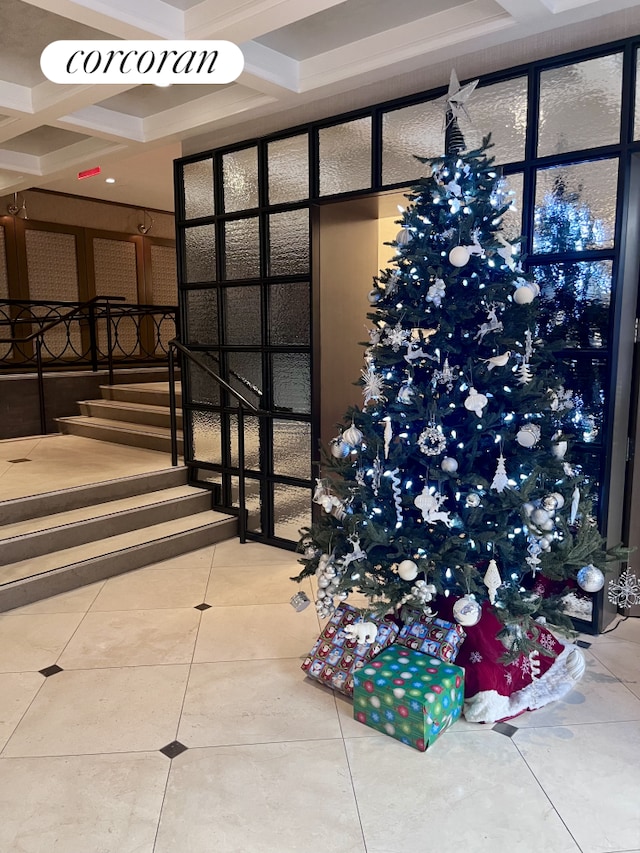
point(18, 460)
point(202, 606)
point(583, 644)
point(174, 748)
point(505, 729)
point(50, 670)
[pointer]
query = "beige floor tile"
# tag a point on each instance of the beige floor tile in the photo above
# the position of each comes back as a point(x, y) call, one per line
point(98, 711)
point(77, 601)
point(623, 659)
point(592, 777)
point(133, 638)
point(154, 588)
point(624, 629)
point(81, 804)
point(599, 697)
point(32, 642)
point(17, 691)
point(253, 584)
point(469, 791)
point(255, 702)
point(268, 798)
point(232, 553)
point(257, 631)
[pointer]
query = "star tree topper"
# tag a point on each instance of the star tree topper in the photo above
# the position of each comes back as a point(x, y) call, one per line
point(455, 99)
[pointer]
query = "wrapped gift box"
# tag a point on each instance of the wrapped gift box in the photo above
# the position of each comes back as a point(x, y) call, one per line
point(431, 636)
point(408, 695)
point(336, 656)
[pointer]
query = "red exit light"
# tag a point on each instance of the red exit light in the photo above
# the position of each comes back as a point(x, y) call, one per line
point(89, 173)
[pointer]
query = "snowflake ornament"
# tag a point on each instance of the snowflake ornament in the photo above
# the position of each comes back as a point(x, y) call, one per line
point(625, 592)
point(561, 400)
point(373, 385)
point(396, 337)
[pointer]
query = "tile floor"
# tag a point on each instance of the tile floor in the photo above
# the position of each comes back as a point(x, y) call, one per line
point(274, 763)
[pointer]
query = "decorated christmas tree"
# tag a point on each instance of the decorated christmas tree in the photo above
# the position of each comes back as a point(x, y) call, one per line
point(454, 480)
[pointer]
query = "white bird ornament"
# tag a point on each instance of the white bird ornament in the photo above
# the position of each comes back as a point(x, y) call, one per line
point(497, 360)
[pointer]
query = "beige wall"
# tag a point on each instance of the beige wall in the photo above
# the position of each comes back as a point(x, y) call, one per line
point(86, 213)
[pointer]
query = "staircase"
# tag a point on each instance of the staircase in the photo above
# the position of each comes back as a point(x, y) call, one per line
point(135, 414)
point(57, 541)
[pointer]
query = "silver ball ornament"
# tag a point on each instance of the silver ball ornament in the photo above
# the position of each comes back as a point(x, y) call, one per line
point(353, 436)
point(449, 465)
point(374, 296)
point(339, 448)
point(528, 435)
point(590, 578)
point(467, 611)
point(473, 500)
point(407, 570)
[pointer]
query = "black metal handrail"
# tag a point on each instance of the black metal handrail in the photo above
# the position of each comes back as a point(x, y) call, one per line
point(242, 404)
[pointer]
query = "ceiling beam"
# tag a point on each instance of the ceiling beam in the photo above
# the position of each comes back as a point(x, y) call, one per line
point(143, 19)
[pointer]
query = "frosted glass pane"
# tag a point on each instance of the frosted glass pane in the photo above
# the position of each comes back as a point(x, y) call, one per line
point(291, 511)
point(574, 302)
point(289, 313)
point(636, 130)
point(512, 186)
point(576, 207)
point(242, 317)
point(203, 388)
point(292, 449)
point(242, 248)
point(580, 105)
point(251, 442)
point(409, 133)
point(501, 110)
point(291, 380)
point(198, 189)
point(288, 169)
point(202, 316)
point(253, 502)
point(206, 437)
point(345, 157)
point(200, 253)
point(240, 179)
point(245, 375)
point(289, 243)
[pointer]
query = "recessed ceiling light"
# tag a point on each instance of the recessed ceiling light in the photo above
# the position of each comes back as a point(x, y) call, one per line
point(109, 180)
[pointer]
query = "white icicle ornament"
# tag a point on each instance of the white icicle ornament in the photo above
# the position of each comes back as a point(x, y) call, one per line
point(475, 402)
point(492, 580)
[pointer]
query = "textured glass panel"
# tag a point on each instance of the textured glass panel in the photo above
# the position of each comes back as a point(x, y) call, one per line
point(198, 189)
point(291, 379)
point(240, 176)
point(292, 449)
point(289, 242)
point(251, 442)
point(636, 130)
point(291, 511)
point(580, 105)
point(288, 169)
point(345, 157)
point(200, 253)
point(245, 376)
point(574, 302)
point(252, 501)
point(409, 133)
point(242, 248)
point(204, 388)
point(587, 378)
point(289, 313)
point(207, 437)
point(242, 316)
point(511, 187)
point(576, 206)
point(202, 316)
point(501, 110)
point(4, 277)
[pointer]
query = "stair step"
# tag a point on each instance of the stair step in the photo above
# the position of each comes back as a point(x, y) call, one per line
point(150, 393)
point(30, 580)
point(36, 537)
point(140, 413)
point(119, 432)
point(37, 506)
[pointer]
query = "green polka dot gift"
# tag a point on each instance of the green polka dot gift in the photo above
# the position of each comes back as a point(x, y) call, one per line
point(408, 695)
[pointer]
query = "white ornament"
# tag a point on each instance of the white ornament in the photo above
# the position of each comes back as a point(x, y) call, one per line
point(559, 499)
point(436, 292)
point(473, 500)
point(576, 664)
point(373, 385)
point(575, 502)
point(353, 436)
point(529, 435)
point(467, 611)
point(559, 449)
point(374, 296)
point(534, 663)
point(364, 633)
point(523, 295)
point(539, 516)
point(405, 393)
point(339, 448)
point(625, 592)
point(429, 505)
point(388, 436)
point(403, 236)
point(492, 580)
point(459, 256)
point(528, 508)
point(431, 441)
point(524, 374)
point(497, 360)
point(449, 465)
point(500, 478)
point(590, 578)
point(395, 336)
point(475, 402)
point(407, 570)
point(492, 324)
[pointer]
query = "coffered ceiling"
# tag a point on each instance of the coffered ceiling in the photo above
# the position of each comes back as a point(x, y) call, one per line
point(296, 52)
